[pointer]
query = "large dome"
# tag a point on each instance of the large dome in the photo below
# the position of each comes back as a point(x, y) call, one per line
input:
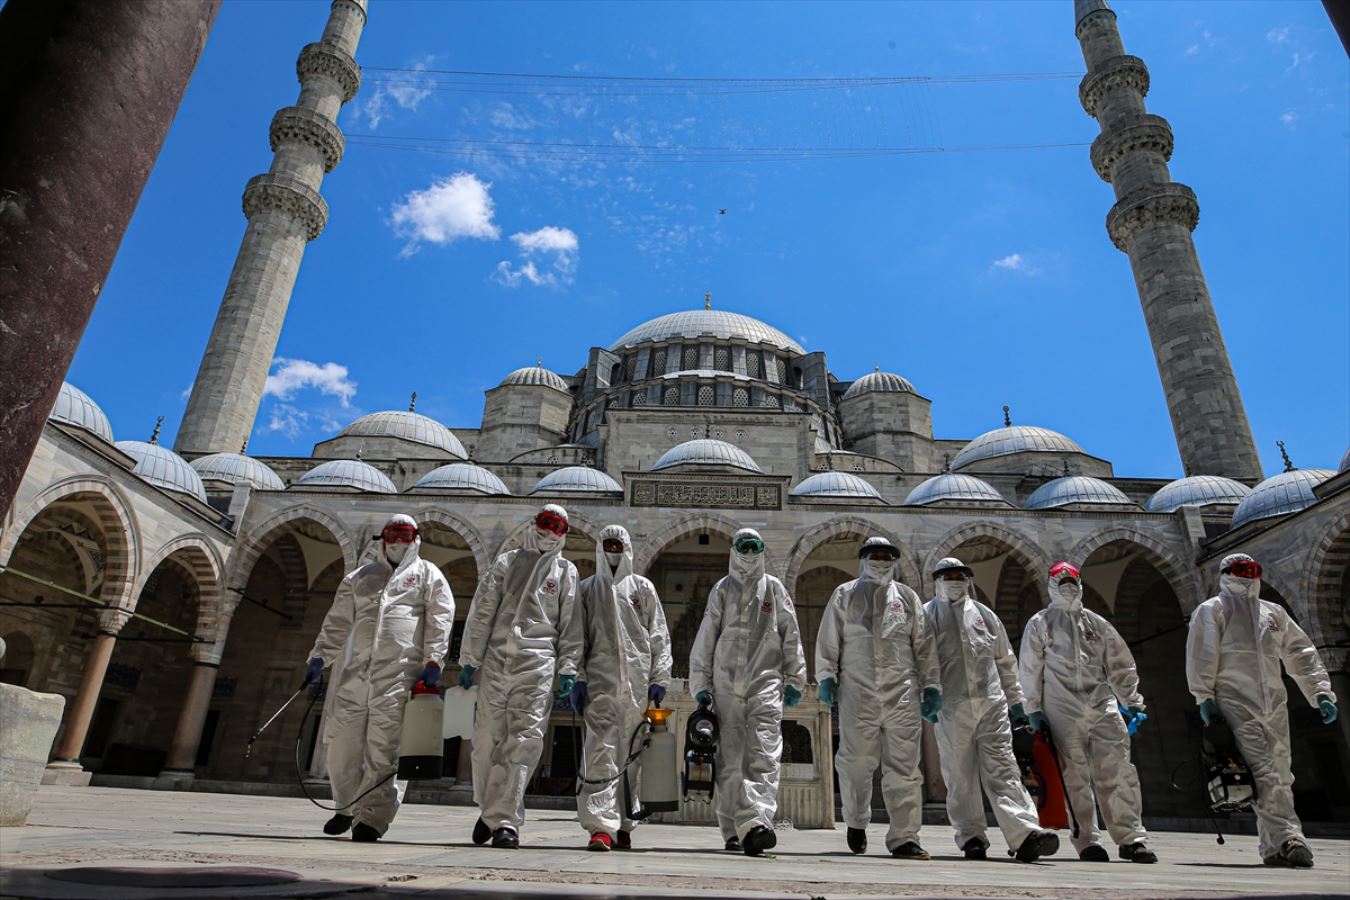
point(707, 452)
point(408, 426)
point(879, 382)
point(462, 477)
point(955, 488)
point(1345, 462)
point(538, 376)
point(577, 480)
point(1197, 490)
point(1287, 492)
point(74, 407)
point(236, 468)
point(1073, 490)
point(1012, 439)
point(162, 467)
point(835, 485)
point(713, 323)
point(347, 473)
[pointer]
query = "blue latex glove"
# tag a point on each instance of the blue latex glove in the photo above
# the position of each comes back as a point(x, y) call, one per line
point(704, 698)
point(656, 694)
point(1018, 716)
point(431, 675)
point(1039, 722)
point(565, 684)
point(313, 671)
point(578, 697)
point(1134, 717)
point(1209, 710)
point(930, 704)
point(791, 696)
point(1328, 710)
point(829, 691)
point(466, 677)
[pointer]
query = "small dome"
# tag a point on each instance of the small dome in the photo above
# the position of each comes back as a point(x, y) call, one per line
point(536, 375)
point(954, 487)
point(74, 407)
point(879, 382)
point(1197, 490)
point(347, 473)
point(1072, 490)
point(710, 323)
point(835, 484)
point(462, 477)
point(408, 426)
point(1345, 462)
point(577, 480)
point(1280, 494)
point(162, 467)
point(1014, 439)
point(236, 468)
point(707, 452)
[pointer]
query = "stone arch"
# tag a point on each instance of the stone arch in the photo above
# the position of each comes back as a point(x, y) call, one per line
point(844, 526)
point(652, 546)
point(1179, 574)
point(1329, 557)
point(1021, 547)
point(461, 527)
point(200, 558)
point(115, 518)
point(246, 556)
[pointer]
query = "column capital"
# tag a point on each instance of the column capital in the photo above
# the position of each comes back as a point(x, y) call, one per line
point(1148, 133)
point(325, 59)
point(295, 124)
point(112, 620)
point(283, 193)
point(1154, 204)
point(1117, 73)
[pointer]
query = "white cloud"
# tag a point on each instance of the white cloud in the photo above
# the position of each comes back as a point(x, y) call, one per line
point(1015, 262)
point(550, 241)
point(292, 375)
point(548, 238)
point(287, 420)
point(528, 272)
point(452, 208)
point(1278, 35)
point(406, 89)
point(1193, 49)
point(508, 117)
point(1289, 118)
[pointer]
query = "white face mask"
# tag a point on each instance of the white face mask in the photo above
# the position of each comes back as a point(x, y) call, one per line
point(1241, 588)
point(878, 569)
point(1071, 593)
point(395, 552)
point(613, 559)
point(952, 590)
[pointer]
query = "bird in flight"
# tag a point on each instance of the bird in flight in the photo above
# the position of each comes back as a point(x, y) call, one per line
point(721, 210)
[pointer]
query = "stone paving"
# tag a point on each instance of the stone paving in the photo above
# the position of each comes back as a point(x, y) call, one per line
point(246, 846)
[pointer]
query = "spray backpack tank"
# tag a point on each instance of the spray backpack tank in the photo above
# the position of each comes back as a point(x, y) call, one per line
point(421, 747)
point(658, 791)
point(1229, 786)
point(700, 755)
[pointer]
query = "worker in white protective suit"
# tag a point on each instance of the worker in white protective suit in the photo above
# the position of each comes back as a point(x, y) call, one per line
point(876, 658)
point(393, 616)
point(747, 663)
point(1233, 654)
point(1078, 674)
point(982, 700)
point(516, 638)
point(625, 665)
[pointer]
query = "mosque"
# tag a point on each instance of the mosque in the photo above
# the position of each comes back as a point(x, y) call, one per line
point(172, 597)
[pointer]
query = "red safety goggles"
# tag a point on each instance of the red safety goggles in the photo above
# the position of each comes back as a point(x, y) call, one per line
point(551, 522)
point(1062, 570)
point(399, 533)
point(1244, 568)
point(612, 545)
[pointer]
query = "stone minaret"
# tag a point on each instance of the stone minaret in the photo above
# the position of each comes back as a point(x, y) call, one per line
point(1152, 221)
point(285, 211)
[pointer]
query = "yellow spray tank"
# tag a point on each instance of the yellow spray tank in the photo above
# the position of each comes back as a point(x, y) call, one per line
point(421, 748)
point(659, 790)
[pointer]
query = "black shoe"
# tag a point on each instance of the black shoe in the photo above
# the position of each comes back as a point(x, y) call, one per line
point(910, 850)
point(1039, 843)
point(481, 833)
point(1094, 853)
point(760, 839)
point(733, 845)
point(857, 840)
point(1138, 853)
point(974, 849)
point(364, 833)
point(338, 824)
point(506, 838)
point(1296, 854)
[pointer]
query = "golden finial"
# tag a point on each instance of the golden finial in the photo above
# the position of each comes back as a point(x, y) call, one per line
point(876, 368)
point(707, 299)
point(412, 403)
point(1288, 463)
point(159, 423)
point(1007, 419)
point(243, 448)
point(539, 362)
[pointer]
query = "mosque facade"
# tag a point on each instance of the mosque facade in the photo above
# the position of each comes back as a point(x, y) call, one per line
point(172, 597)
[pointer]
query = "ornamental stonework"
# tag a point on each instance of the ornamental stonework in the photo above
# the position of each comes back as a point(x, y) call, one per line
point(1155, 204)
point(282, 193)
point(295, 124)
point(1094, 23)
point(1115, 74)
point(1147, 133)
point(326, 59)
point(688, 494)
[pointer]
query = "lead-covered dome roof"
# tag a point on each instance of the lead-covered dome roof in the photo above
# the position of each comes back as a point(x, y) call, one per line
point(1345, 462)
point(707, 323)
point(536, 375)
point(347, 473)
point(74, 407)
point(1012, 439)
point(1197, 490)
point(879, 382)
point(462, 477)
point(842, 485)
point(707, 452)
point(1073, 490)
point(577, 480)
point(235, 469)
point(956, 488)
point(163, 468)
point(407, 426)
point(1287, 492)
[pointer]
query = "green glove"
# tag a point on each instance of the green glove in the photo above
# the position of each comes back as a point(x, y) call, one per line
point(1209, 710)
point(1018, 716)
point(565, 684)
point(791, 696)
point(1328, 710)
point(466, 677)
point(930, 704)
point(829, 691)
point(704, 698)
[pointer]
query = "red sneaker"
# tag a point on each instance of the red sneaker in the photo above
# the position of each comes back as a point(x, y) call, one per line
point(624, 841)
point(599, 841)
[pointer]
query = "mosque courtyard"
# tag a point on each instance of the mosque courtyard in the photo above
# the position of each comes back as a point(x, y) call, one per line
point(120, 843)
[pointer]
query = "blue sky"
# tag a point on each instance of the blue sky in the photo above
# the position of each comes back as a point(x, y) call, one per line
point(984, 277)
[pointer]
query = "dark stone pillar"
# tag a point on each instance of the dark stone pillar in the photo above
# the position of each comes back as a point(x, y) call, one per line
point(90, 88)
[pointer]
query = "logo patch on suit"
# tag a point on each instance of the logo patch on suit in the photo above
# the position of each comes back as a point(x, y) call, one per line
point(979, 622)
point(787, 601)
point(1089, 634)
point(551, 587)
point(410, 581)
point(1272, 623)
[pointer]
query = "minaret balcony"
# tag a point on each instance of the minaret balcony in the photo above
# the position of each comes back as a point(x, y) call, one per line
point(1119, 73)
point(295, 124)
point(1145, 134)
point(330, 61)
point(282, 193)
point(1154, 204)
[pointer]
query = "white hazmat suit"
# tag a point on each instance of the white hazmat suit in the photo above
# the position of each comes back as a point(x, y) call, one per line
point(1233, 654)
point(517, 636)
point(875, 642)
point(1077, 670)
point(396, 618)
point(748, 649)
point(974, 735)
point(627, 649)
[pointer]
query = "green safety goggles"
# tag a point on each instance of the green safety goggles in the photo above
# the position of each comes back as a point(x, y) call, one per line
point(751, 545)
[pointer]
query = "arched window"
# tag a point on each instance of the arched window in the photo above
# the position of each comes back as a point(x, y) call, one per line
point(658, 363)
point(671, 397)
point(740, 397)
point(770, 401)
point(638, 399)
point(753, 364)
point(615, 373)
point(722, 359)
point(797, 378)
point(705, 395)
point(690, 358)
